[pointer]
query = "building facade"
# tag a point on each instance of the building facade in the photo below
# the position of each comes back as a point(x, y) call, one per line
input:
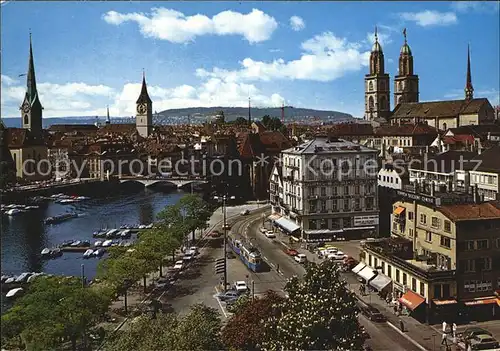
point(328, 188)
point(405, 82)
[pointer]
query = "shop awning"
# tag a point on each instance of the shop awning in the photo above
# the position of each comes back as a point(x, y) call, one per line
point(380, 282)
point(274, 217)
point(287, 225)
point(399, 210)
point(367, 273)
point(411, 300)
point(444, 302)
point(323, 231)
point(487, 301)
point(358, 267)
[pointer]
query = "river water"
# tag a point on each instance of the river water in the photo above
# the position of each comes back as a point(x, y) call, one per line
point(24, 236)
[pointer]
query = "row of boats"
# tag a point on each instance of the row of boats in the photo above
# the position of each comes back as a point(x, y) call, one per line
point(15, 283)
point(67, 199)
point(14, 209)
point(60, 218)
point(113, 234)
point(98, 249)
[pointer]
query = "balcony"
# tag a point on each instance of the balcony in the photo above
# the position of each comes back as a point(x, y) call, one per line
point(399, 253)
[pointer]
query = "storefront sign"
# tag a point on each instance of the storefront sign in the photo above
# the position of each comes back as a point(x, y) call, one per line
point(360, 221)
point(419, 197)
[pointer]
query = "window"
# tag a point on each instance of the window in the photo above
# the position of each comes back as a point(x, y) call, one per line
point(323, 191)
point(413, 284)
point(445, 242)
point(370, 260)
point(397, 275)
point(383, 267)
point(410, 216)
point(447, 226)
point(370, 86)
point(435, 222)
point(334, 205)
point(437, 291)
point(428, 236)
point(356, 190)
point(389, 271)
point(486, 263)
point(357, 204)
point(484, 285)
point(334, 190)
point(469, 245)
point(469, 265)
point(422, 289)
point(346, 190)
point(423, 218)
point(410, 231)
point(405, 279)
point(323, 206)
point(369, 203)
point(375, 262)
point(26, 119)
point(370, 103)
point(346, 205)
point(482, 244)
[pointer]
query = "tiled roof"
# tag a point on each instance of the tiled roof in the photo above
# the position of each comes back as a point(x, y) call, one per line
point(451, 108)
point(446, 162)
point(328, 145)
point(490, 160)
point(480, 130)
point(349, 129)
point(84, 128)
point(487, 210)
point(406, 129)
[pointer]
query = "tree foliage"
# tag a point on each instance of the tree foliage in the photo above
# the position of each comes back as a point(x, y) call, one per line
point(320, 314)
point(272, 123)
point(54, 309)
point(240, 121)
point(245, 331)
point(198, 330)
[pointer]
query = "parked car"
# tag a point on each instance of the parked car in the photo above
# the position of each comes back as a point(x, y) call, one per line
point(291, 252)
point(300, 258)
point(179, 265)
point(483, 342)
point(269, 234)
point(240, 286)
point(228, 295)
point(339, 255)
point(471, 332)
point(263, 230)
point(188, 257)
point(194, 250)
point(245, 212)
point(373, 314)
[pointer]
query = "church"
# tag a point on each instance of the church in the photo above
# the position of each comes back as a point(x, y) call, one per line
point(439, 114)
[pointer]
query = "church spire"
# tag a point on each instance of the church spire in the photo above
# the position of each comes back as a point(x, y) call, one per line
point(108, 120)
point(144, 96)
point(31, 80)
point(469, 89)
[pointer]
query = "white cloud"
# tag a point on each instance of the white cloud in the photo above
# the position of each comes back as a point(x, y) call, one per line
point(80, 99)
point(297, 23)
point(476, 6)
point(383, 38)
point(325, 58)
point(166, 24)
point(430, 18)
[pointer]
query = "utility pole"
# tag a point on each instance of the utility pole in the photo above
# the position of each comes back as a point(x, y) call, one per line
point(224, 228)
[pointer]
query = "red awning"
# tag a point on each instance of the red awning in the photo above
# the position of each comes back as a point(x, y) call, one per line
point(444, 302)
point(486, 301)
point(411, 300)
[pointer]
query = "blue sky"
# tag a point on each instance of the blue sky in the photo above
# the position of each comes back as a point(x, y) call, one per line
point(310, 54)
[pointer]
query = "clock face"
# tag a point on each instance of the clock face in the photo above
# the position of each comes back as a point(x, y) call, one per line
point(26, 108)
point(142, 108)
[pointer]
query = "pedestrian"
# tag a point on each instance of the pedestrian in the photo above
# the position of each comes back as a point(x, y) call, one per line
point(444, 327)
point(454, 330)
point(402, 325)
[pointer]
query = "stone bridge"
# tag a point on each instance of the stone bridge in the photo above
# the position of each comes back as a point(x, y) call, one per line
point(178, 182)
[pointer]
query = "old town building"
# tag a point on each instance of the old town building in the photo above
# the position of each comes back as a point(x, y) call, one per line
point(325, 189)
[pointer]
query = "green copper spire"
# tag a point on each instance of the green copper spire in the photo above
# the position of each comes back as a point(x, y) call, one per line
point(31, 80)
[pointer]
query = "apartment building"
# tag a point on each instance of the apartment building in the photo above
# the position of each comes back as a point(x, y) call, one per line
point(443, 260)
point(326, 189)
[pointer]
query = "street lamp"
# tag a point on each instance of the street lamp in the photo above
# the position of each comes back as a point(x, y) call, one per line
point(224, 228)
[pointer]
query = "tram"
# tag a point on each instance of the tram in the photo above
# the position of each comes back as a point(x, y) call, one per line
point(249, 255)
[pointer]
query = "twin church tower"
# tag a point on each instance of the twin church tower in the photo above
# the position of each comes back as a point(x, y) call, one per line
point(377, 90)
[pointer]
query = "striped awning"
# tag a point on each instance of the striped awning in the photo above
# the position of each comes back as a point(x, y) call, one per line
point(358, 267)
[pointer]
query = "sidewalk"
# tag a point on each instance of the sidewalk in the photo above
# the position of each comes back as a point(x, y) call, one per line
point(426, 336)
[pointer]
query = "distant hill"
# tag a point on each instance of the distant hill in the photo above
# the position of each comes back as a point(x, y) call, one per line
point(199, 114)
point(231, 113)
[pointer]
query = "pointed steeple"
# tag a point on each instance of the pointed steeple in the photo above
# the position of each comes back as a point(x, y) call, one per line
point(31, 80)
point(469, 89)
point(249, 112)
point(108, 120)
point(144, 96)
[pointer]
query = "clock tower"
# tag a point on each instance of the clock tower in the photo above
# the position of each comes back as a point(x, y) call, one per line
point(31, 108)
point(144, 116)
point(406, 82)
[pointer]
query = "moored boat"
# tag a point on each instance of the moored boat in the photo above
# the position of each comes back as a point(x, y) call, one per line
point(107, 243)
point(45, 252)
point(98, 252)
point(98, 243)
point(88, 253)
point(14, 293)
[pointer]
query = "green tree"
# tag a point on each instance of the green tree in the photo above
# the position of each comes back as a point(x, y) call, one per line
point(320, 314)
point(53, 310)
point(240, 121)
point(199, 330)
point(7, 174)
point(146, 334)
point(245, 331)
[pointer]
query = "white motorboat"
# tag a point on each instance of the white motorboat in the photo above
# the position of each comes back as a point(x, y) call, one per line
point(83, 198)
point(67, 201)
point(33, 207)
point(98, 243)
point(13, 212)
point(88, 253)
point(98, 252)
point(107, 243)
point(112, 233)
point(33, 277)
point(46, 252)
point(23, 277)
point(10, 280)
point(14, 292)
point(76, 243)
